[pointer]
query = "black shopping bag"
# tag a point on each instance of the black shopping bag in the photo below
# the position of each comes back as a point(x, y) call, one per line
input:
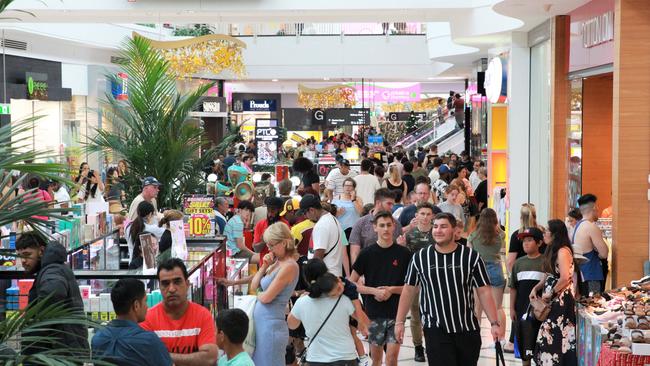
point(526, 333)
point(501, 361)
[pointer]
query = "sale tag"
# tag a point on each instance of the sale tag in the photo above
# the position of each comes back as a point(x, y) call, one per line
point(199, 225)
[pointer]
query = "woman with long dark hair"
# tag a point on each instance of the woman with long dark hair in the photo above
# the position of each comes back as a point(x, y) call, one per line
point(556, 340)
point(143, 223)
point(333, 345)
point(310, 181)
point(487, 240)
point(93, 189)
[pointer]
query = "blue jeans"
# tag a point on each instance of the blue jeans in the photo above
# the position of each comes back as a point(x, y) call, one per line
point(495, 273)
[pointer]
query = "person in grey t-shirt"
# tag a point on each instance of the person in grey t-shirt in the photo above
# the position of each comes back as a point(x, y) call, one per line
point(363, 234)
point(450, 205)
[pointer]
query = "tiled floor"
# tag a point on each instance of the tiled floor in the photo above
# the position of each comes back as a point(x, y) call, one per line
point(487, 351)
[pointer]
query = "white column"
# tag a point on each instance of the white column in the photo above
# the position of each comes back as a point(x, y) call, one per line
point(518, 126)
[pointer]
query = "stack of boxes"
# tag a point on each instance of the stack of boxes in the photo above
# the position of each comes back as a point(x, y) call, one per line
point(17, 296)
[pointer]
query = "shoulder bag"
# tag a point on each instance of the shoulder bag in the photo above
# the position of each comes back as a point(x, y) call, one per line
point(541, 308)
point(303, 355)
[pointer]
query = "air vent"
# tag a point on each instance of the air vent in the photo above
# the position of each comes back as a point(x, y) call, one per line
point(118, 60)
point(12, 43)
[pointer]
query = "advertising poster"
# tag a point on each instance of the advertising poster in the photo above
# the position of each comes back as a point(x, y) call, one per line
point(149, 247)
point(266, 137)
point(179, 245)
point(198, 204)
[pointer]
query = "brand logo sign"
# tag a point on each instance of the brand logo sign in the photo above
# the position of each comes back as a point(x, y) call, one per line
point(319, 115)
point(36, 85)
point(598, 30)
point(496, 80)
point(259, 105)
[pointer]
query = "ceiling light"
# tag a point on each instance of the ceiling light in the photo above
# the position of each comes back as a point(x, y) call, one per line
point(326, 79)
point(431, 78)
point(274, 80)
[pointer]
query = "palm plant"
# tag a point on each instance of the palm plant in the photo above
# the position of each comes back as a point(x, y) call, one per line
point(31, 325)
point(151, 129)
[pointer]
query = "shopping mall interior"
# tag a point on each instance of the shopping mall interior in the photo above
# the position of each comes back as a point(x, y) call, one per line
point(531, 96)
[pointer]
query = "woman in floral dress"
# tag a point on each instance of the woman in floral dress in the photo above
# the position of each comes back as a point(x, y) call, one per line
point(556, 340)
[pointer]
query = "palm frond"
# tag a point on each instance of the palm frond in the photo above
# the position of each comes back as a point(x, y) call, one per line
point(152, 129)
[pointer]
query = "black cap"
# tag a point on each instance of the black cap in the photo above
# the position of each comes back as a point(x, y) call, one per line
point(310, 201)
point(148, 181)
point(274, 202)
point(532, 232)
point(345, 162)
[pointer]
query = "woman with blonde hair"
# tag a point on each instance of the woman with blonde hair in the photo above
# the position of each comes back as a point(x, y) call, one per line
point(274, 282)
point(395, 182)
point(487, 240)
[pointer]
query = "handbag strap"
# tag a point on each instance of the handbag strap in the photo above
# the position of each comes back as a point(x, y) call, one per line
point(499, 353)
point(322, 325)
point(338, 239)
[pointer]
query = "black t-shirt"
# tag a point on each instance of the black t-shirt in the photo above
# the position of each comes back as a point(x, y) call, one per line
point(462, 241)
point(481, 194)
point(382, 267)
point(165, 241)
point(410, 182)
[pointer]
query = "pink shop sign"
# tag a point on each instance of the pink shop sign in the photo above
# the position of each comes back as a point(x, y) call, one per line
point(592, 35)
point(388, 94)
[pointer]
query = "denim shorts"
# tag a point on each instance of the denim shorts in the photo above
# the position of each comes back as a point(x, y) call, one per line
point(495, 273)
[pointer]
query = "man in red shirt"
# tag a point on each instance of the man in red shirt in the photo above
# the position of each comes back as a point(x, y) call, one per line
point(274, 206)
point(186, 328)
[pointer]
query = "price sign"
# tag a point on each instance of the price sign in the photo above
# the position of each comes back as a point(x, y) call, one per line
point(199, 225)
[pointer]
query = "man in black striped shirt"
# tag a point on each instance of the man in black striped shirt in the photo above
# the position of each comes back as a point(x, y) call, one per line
point(447, 273)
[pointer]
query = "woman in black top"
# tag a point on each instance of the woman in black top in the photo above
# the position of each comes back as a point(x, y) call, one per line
point(395, 182)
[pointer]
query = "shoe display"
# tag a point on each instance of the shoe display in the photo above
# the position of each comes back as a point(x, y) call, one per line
point(419, 354)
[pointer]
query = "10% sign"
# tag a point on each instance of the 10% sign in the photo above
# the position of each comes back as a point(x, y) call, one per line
point(199, 225)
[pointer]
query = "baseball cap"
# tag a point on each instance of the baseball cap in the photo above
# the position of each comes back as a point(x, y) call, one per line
point(148, 181)
point(273, 202)
point(292, 204)
point(310, 201)
point(531, 232)
point(345, 162)
point(443, 169)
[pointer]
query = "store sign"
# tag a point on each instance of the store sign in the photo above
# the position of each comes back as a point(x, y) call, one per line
point(387, 94)
point(211, 107)
point(36, 85)
point(496, 80)
point(198, 204)
point(598, 30)
point(318, 115)
point(259, 105)
point(199, 225)
point(404, 116)
point(347, 116)
point(267, 137)
point(5, 108)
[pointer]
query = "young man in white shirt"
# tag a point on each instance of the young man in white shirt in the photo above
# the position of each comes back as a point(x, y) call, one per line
point(335, 179)
point(367, 184)
point(327, 242)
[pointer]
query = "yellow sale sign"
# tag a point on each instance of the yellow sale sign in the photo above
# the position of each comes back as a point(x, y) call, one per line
point(199, 225)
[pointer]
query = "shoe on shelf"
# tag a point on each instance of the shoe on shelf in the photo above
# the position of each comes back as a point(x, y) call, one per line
point(509, 348)
point(419, 354)
point(364, 361)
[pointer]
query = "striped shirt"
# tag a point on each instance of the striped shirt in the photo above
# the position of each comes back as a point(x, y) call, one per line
point(447, 282)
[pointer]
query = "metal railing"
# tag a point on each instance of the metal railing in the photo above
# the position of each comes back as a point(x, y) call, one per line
point(317, 29)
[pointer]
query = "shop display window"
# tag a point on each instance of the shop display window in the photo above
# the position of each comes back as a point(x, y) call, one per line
point(574, 189)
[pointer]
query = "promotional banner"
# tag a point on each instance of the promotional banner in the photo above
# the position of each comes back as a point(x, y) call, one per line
point(266, 137)
point(388, 92)
point(198, 204)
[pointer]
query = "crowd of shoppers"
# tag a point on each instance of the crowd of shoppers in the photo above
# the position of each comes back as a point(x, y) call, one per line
point(351, 258)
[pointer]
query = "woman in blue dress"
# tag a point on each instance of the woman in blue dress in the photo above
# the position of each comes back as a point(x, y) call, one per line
point(274, 282)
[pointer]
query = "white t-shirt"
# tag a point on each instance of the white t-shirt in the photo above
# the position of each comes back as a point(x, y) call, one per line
point(334, 342)
point(61, 196)
point(327, 235)
point(367, 185)
point(434, 175)
point(149, 228)
point(474, 180)
point(133, 208)
point(334, 181)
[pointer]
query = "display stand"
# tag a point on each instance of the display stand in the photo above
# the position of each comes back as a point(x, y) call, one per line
point(610, 357)
point(589, 338)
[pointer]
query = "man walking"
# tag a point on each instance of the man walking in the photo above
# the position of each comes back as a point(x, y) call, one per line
point(447, 274)
point(327, 235)
point(54, 282)
point(383, 266)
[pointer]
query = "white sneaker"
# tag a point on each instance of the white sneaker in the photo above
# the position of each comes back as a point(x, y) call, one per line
point(364, 361)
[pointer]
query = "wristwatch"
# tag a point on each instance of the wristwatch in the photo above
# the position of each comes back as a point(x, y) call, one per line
point(495, 323)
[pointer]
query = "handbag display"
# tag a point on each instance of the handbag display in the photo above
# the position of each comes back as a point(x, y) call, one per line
point(541, 308)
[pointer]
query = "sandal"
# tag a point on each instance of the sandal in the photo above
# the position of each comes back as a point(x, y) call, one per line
point(509, 348)
point(630, 323)
point(637, 336)
point(643, 323)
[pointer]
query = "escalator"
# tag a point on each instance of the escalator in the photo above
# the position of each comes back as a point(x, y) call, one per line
point(429, 134)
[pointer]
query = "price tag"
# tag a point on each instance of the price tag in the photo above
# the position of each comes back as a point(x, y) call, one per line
point(199, 225)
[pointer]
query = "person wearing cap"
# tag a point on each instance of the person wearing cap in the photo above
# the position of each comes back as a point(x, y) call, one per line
point(526, 274)
point(274, 206)
point(301, 226)
point(150, 188)
point(439, 185)
point(327, 238)
point(336, 177)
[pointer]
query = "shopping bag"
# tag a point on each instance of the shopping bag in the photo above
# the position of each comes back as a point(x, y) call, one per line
point(247, 304)
point(526, 334)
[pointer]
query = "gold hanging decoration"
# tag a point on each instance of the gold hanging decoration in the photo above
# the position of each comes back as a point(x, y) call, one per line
point(212, 53)
point(421, 106)
point(337, 96)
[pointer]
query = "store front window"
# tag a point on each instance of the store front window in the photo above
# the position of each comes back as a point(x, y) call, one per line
point(575, 144)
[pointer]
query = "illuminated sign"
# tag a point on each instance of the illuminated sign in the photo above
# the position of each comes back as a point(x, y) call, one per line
point(496, 80)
